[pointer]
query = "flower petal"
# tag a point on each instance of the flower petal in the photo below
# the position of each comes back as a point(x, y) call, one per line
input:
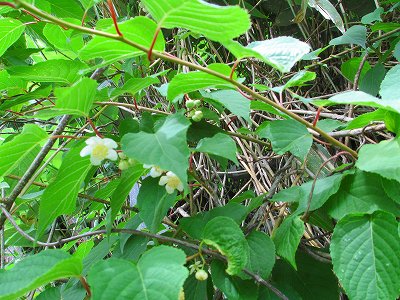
point(163, 180)
point(180, 187)
point(146, 166)
point(93, 140)
point(110, 143)
point(169, 189)
point(86, 151)
point(95, 161)
point(112, 155)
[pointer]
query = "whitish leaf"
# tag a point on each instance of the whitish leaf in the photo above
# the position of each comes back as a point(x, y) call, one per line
point(184, 83)
point(281, 53)
point(382, 159)
point(166, 148)
point(159, 273)
point(232, 100)
point(360, 193)
point(390, 87)
point(153, 203)
point(10, 31)
point(365, 252)
point(77, 99)
point(37, 270)
point(16, 150)
point(328, 11)
point(59, 71)
point(262, 254)
point(215, 22)
point(139, 30)
point(287, 238)
point(233, 287)
point(60, 196)
point(220, 145)
point(225, 235)
point(288, 135)
point(356, 35)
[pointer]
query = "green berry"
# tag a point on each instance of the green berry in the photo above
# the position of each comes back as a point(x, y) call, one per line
point(190, 104)
point(197, 103)
point(198, 115)
point(201, 275)
point(123, 165)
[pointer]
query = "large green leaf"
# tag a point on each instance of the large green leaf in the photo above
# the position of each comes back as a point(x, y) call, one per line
point(350, 68)
point(159, 274)
point(37, 270)
point(134, 85)
point(77, 99)
point(139, 30)
point(67, 9)
point(360, 193)
point(281, 53)
point(288, 135)
point(232, 100)
point(390, 87)
point(372, 80)
point(166, 148)
point(220, 145)
point(153, 203)
point(382, 159)
point(10, 31)
point(356, 34)
point(233, 287)
point(195, 289)
point(184, 83)
point(287, 238)
point(61, 194)
point(128, 180)
point(365, 252)
point(225, 235)
point(59, 71)
point(215, 22)
point(262, 254)
point(42, 92)
point(62, 38)
point(14, 151)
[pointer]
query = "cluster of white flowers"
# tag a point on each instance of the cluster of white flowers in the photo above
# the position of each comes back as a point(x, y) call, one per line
point(170, 180)
point(100, 149)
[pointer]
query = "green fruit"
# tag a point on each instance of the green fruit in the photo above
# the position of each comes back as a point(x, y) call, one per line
point(123, 165)
point(201, 275)
point(197, 103)
point(190, 104)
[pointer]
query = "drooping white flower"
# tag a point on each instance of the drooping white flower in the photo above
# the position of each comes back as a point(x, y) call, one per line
point(100, 149)
point(171, 182)
point(155, 171)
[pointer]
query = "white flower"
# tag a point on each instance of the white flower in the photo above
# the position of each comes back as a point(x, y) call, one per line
point(155, 170)
point(171, 182)
point(100, 149)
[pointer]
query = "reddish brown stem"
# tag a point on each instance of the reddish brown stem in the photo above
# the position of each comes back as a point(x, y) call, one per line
point(83, 18)
point(230, 121)
point(153, 42)
point(135, 103)
point(317, 116)
point(234, 68)
point(94, 128)
point(244, 94)
point(8, 4)
point(31, 14)
point(114, 16)
point(86, 286)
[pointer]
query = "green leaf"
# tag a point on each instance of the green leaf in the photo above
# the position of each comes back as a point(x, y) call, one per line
point(328, 11)
point(134, 85)
point(63, 39)
point(288, 135)
point(139, 30)
point(232, 100)
point(372, 80)
point(390, 87)
point(287, 238)
point(282, 52)
point(10, 31)
point(153, 203)
point(77, 99)
point(195, 289)
point(234, 288)
point(373, 16)
point(89, 3)
point(59, 71)
point(37, 270)
point(360, 193)
point(350, 68)
point(184, 83)
point(166, 148)
point(323, 189)
point(159, 273)
point(356, 35)
point(42, 92)
point(215, 22)
point(262, 254)
point(382, 159)
point(60, 196)
point(367, 118)
point(365, 252)
point(220, 144)
point(299, 79)
point(66, 9)
point(225, 235)
point(16, 150)
point(128, 180)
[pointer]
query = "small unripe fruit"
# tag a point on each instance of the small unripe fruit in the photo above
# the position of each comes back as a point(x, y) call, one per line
point(197, 103)
point(123, 165)
point(198, 115)
point(122, 155)
point(201, 275)
point(190, 104)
